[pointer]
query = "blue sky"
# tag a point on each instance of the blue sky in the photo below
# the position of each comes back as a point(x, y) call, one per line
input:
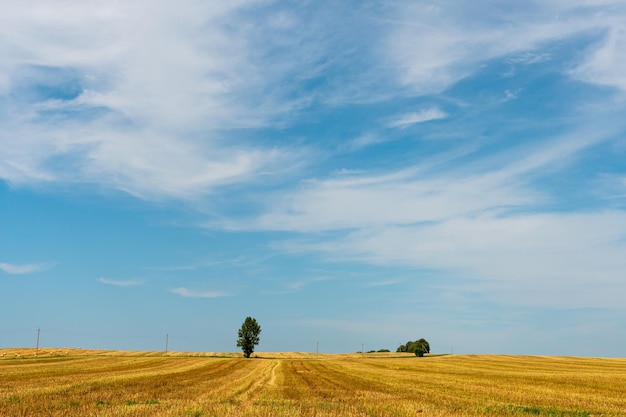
point(347, 173)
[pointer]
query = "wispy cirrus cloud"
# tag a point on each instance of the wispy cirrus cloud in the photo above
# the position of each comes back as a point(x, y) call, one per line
point(423, 193)
point(524, 259)
point(153, 106)
point(606, 64)
point(451, 50)
point(363, 141)
point(487, 220)
point(146, 100)
point(138, 101)
point(120, 283)
point(188, 293)
point(377, 284)
point(298, 285)
point(303, 146)
point(19, 269)
point(421, 116)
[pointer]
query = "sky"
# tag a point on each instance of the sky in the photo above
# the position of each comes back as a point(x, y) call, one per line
point(352, 174)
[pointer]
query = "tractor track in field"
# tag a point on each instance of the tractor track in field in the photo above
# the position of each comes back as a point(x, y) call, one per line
point(266, 378)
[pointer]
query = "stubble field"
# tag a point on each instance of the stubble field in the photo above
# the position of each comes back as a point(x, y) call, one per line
point(104, 383)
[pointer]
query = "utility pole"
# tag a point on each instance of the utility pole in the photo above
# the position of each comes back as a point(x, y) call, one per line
point(37, 348)
point(362, 350)
point(167, 340)
point(317, 348)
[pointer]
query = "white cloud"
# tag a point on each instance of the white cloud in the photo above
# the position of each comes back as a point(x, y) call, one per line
point(152, 89)
point(296, 286)
point(119, 283)
point(558, 260)
point(422, 116)
point(375, 201)
point(184, 292)
point(363, 141)
point(156, 93)
point(529, 58)
point(22, 269)
point(606, 64)
point(481, 221)
point(510, 95)
point(381, 283)
point(429, 193)
point(435, 47)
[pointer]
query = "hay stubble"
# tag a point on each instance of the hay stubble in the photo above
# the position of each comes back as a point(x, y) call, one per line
point(107, 383)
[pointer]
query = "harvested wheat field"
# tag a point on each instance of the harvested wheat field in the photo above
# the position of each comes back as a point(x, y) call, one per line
point(108, 383)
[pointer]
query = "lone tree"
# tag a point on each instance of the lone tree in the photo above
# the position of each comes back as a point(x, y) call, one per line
point(248, 336)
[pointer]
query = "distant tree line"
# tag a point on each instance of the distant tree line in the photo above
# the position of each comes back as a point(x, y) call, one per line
point(419, 347)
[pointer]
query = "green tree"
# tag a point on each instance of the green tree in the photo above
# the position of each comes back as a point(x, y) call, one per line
point(419, 347)
point(248, 336)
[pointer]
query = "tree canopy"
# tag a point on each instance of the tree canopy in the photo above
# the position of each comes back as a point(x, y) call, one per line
point(419, 347)
point(248, 336)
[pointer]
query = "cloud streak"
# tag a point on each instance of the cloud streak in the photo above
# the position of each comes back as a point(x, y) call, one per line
point(20, 269)
point(117, 283)
point(187, 293)
point(422, 116)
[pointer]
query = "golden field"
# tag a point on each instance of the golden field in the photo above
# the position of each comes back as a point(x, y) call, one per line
point(71, 382)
